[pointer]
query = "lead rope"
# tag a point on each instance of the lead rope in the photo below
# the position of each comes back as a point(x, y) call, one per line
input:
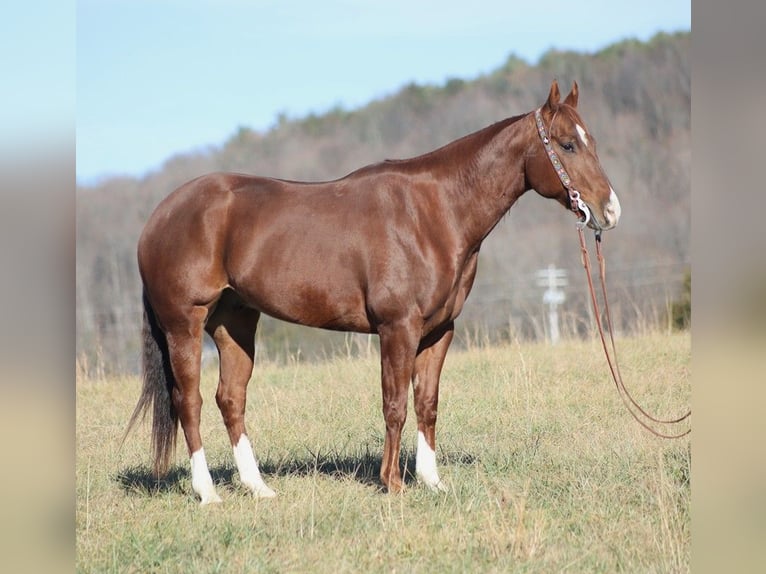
point(579, 207)
point(629, 402)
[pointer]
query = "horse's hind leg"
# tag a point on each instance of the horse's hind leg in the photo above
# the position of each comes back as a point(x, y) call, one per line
point(425, 384)
point(184, 337)
point(233, 327)
point(398, 344)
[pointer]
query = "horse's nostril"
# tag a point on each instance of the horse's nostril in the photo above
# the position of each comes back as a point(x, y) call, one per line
point(610, 216)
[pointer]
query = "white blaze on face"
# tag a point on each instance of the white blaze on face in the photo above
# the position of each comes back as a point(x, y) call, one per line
point(249, 474)
point(583, 135)
point(202, 482)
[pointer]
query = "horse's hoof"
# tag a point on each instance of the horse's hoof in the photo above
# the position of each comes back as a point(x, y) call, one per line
point(259, 489)
point(395, 488)
point(440, 487)
point(210, 499)
point(263, 492)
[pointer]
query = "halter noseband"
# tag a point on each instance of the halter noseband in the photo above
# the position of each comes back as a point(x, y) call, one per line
point(575, 201)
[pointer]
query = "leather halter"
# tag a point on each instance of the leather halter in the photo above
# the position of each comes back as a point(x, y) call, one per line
point(576, 203)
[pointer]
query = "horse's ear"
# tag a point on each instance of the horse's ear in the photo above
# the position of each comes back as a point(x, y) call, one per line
point(553, 96)
point(571, 99)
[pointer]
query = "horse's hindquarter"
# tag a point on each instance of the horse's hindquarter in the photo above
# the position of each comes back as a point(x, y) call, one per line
point(345, 255)
point(179, 251)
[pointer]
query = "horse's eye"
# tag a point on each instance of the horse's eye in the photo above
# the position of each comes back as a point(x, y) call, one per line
point(568, 146)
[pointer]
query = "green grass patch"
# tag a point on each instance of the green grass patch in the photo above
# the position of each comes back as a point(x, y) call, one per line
point(547, 471)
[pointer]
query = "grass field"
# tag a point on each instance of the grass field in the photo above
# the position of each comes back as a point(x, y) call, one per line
point(547, 471)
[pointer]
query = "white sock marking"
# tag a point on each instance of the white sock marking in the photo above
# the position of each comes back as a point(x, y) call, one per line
point(202, 482)
point(583, 135)
point(425, 465)
point(249, 473)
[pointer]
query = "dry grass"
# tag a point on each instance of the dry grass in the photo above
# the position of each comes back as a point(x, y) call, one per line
point(548, 473)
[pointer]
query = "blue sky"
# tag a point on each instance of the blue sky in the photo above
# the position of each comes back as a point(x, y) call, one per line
point(161, 77)
point(37, 61)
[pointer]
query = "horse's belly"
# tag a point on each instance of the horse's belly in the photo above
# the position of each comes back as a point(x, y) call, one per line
point(309, 304)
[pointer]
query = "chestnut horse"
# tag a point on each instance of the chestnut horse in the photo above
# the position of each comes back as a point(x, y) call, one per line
point(389, 249)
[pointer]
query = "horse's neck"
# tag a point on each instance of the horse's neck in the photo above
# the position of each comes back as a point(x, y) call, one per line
point(490, 178)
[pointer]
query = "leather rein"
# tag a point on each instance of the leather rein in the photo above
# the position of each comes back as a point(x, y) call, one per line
point(578, 206)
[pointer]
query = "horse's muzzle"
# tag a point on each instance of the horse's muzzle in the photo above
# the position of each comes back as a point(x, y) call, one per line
point(611, 214)
point(612, 210)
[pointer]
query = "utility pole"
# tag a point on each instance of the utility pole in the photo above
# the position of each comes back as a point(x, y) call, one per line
point(552, 278)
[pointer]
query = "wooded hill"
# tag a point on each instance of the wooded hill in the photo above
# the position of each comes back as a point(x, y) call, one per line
point(635, 98)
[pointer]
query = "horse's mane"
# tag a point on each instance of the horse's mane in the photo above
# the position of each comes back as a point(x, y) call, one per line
point(461, 147)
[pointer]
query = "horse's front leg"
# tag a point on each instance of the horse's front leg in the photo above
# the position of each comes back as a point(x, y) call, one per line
point(425, 384)
point(398, 346)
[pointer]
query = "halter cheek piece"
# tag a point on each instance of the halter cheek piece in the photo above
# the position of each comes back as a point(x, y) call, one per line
point(575, 201)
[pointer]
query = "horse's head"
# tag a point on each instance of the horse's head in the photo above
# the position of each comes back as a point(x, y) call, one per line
point(564, 156)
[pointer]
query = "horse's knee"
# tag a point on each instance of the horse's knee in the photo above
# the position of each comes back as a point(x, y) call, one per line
point(426, 410)
point(395, 415)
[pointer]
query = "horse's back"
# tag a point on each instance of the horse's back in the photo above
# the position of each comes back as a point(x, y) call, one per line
point(345, 254)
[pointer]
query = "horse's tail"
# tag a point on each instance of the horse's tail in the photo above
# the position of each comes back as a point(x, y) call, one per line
point(156, 392)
